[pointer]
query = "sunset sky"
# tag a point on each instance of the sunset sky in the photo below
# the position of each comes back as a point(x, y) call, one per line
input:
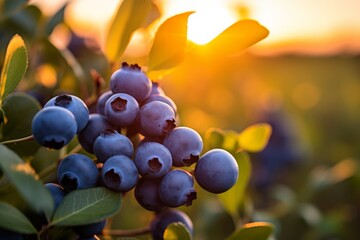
point(306, 26)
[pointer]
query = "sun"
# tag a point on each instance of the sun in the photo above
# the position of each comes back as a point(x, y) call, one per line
point(210, 18)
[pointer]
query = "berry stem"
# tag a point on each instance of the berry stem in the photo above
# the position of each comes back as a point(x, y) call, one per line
point(127, 233)
point(18, 140)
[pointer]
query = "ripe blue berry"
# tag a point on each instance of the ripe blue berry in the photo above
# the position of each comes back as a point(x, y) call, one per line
point(96, 125)
point(185, 145)
point(121, 110)
point(153, 159)
point(77, 171)
point(177, 188)
point(57, 192)
point(164, 219)
point(156, 119)
point(111, 143)
point(162, 98)
point(131, 80)
point(100, 105)
point(54, 127)
point(119, 173)
point(75, 105)
point(89, 230)
point(147, 194)
point(216, 171)
point(156, 89)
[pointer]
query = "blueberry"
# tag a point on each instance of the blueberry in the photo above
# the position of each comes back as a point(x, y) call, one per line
point(132, 80)
point(156, 119)
point(54, 127)
point(147, 194)
point(100, 105)
point(57, 192)
point(121, 110)
point(77, 171)
point(111, 143)
point(96, 125)
point(216, 171)
point(162, 98)
point(119, 173)
point(156, 89)
point(75, 105)
point(89, 230)
point(153, 159)
point(164, 219)
point(177, 188)
point(185, 145)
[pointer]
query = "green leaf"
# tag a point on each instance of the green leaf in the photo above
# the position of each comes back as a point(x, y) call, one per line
point(86, 206)
point(232, 198)
point(23, 177)
point(168, 48)
point(19, 125)
point(129, 17)
point(15, 66)
point(213, 138)
point(12, 219)
point(56, 19)
point(255, 137)
point(177, 231)
point(218, 138)
point(237, 38)
point(253, 231)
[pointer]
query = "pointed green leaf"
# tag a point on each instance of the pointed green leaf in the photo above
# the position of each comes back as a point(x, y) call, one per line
point(253, 231)
point(19, 125)
point(177, 231)
point(232, 198)
point(168, 48)
point(25, 180)
point(86, 206)
point(255, 137)
point(12, 219)
point(129, 17)
point(237, 38)
point(15, 66)
point(56, 19)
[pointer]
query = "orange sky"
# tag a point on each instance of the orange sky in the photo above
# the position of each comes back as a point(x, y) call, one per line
point(306, 26)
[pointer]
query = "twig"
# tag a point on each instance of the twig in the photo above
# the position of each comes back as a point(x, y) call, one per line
point(18, 140)
point(124, 233)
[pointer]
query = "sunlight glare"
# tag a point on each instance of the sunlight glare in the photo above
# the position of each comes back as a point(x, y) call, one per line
point(209, 20)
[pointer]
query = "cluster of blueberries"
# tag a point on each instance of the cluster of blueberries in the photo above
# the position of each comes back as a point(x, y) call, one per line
point(153, 165)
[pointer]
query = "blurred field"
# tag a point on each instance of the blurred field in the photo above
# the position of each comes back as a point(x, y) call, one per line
point(319, 95)
point(307, 180)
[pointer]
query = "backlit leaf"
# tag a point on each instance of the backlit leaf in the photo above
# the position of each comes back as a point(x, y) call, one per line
point(255, 137)
point(129, 17)
point(12, 219)
point(232, 198)
point(236, 38)
point(168, 48)
point(25, 180)
point(15, 66)
point(177, 231)
point(253, 231)
point(86, 206)
point(213, 138)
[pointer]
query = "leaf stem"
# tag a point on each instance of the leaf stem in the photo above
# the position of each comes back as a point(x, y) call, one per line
point(127, 233)
point(18, 140)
